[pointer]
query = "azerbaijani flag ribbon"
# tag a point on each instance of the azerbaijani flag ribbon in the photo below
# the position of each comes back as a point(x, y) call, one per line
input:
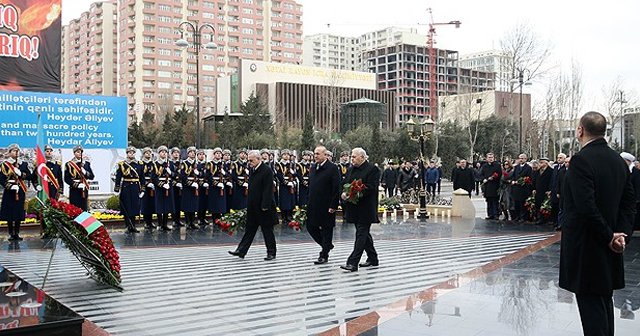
point(88, 222)
point(41, 163)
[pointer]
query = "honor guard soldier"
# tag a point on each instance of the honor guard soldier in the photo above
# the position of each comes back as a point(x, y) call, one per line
point(240, 178)
point(303, 169)
point(77, 174)
point(345, 163)
point(56, 185)
point(190, 175)
point(13, 174)
point(129, 182)
point(175, 165)
point(203, 199)
point(228, 190)
point(287, 185)
point(149, 200)
point(163, 177)
point(266, 159)
point(217, 178)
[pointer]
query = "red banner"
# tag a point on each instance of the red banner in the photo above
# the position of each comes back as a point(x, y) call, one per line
point(30, 33)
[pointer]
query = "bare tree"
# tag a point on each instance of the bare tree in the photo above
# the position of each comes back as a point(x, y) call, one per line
point(468, 109)
point(525, 50)
point(332, 97)
point(576, 98)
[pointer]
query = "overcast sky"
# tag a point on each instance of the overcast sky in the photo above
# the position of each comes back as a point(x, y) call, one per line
point(603, 36)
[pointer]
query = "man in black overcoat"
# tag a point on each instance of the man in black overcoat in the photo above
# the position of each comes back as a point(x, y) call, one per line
point(635, 182)
point(543, 186)
point(364, 212)
point(599, 206)
point(261, 207)
point(491, 173)
point(464, 177)
point(390, 178)
point(324, 195)
point(520, 192)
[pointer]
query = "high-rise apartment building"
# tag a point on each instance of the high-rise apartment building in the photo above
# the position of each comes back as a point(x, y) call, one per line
point(404, 68)
point(331, 51)
point(490, 61)
point(156, 75)
point(89, 51)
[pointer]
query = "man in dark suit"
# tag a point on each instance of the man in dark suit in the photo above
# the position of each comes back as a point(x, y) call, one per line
point(324, 193)
point(635, 182)
point(558, 170)
point(364, 211)
point(599, 207)
point(543, 186)
point(464, 177)
point(389, 179)
point(491, 174)
point(261, 207)
point(520, 191)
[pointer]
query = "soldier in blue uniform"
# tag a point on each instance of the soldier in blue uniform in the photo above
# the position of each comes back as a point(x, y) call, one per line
point(163, 177)
point(228, 190)
point(287, 186)
point(217, 178)
point(190, 176)
point(267, 159)
point(303, 169)
point(345, 163)
point(13, 174)
point(77, 173)
point(203, 181)
point(149, 200)
point(240, 178)
point(175, 165)
point(129, 181)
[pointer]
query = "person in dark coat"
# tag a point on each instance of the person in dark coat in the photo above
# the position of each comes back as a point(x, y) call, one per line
point(129, 181)
point(77, 174)
point(148, 206)
point(562, 173)
point(364, 212)
point(261, 208)
point(190, 177)
point(205, 184)
point(287, 186)
point(431, 177)
point(454, 171)
point(162, 177)
point(240, 177)
point(464, 178)
point(600, 207)
point(324, 195)
point(543, 186)
point(56, 169)
point(491, 174)
point(555, 202)
point(216, 179)
point(635, 182)
point(439, 179)
point(175, 163)
point(406, 177)
point(390, 178)
point(14, 173)
point(520, 190)
point(303, 169)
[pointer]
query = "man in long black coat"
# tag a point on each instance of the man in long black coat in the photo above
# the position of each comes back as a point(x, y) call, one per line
point(543, 186)
point(599, 207)
point(520, 192)
point(390, 178)
point(261, 207)
point(464, 177)
point(635, 182)
point(555, 201)
point(324, 194)
point(491, 173)
point(364, 212)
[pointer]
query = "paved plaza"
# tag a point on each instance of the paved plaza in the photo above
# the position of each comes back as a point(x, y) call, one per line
point(439, 277)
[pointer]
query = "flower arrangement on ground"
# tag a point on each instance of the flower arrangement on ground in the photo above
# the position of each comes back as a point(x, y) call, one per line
point(530, 205)
point(390, 203)
point(86, 238)
point(299, 218)
point(354, 191)
point(232, 221)
point(545, 208)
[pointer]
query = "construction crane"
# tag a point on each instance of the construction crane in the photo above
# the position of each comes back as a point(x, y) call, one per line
point(433, 61)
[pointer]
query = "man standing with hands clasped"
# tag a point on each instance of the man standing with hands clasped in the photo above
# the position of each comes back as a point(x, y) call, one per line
point(261, 208)
point(363, 211)
point(324, 192)
point(599, 208)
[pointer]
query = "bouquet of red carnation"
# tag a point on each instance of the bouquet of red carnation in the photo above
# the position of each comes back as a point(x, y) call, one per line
point(530, 205)
point(232, 221)
point(299, 218)
point(492, 177)
point(354, 191)
point(295, 225)
point(525, 180)
point(545, 208)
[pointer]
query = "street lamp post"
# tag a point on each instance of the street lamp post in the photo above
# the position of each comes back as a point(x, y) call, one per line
point(520, 80)
point(425, 130)
point(197, 45)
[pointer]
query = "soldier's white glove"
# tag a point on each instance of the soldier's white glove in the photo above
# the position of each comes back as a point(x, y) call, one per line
point(205, 185)
point(45, 178)
point(179, 185)
point(196, 171)
point(230, 184)
point(166, 186)
point(81, 186)
point(150, 185)
point(194, 184)
point(17, 171)
point(141, 195)
point(293, 171)
point(38, 188)
point(84, 172)
point(168, 170)
point(15, 187)
point(220, 185)
point(290, 184)
point(246, 185)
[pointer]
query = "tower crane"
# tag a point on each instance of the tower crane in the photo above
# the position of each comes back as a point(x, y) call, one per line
point(433, 61)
